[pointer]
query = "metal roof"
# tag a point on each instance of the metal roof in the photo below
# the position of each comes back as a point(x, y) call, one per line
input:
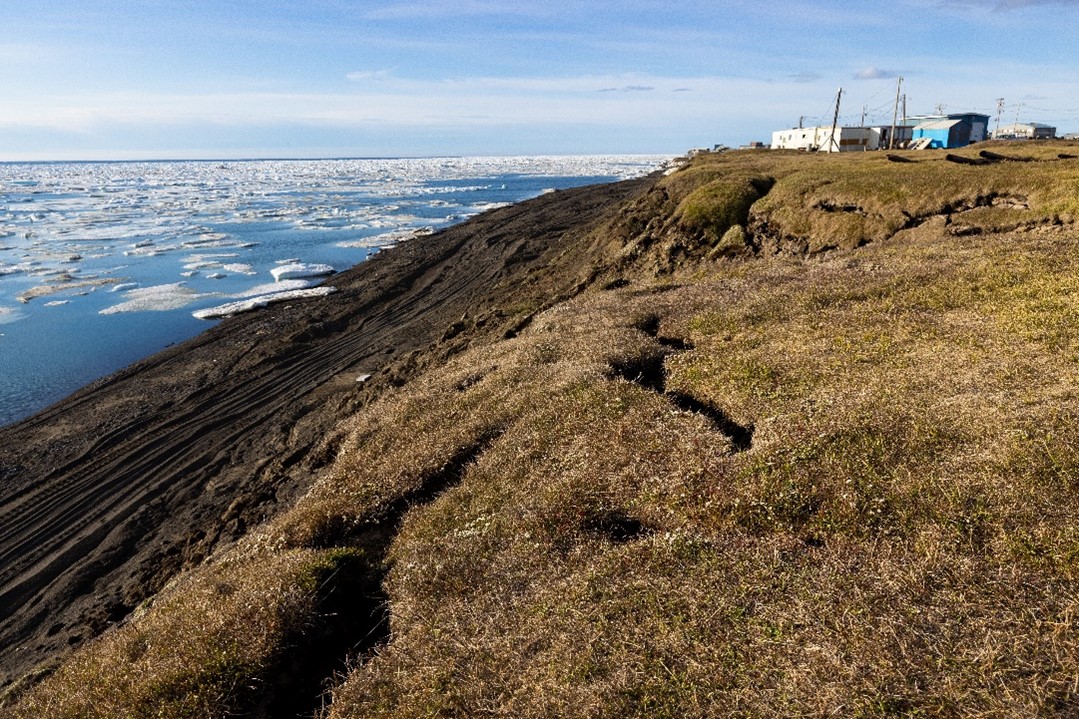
point(938, 125)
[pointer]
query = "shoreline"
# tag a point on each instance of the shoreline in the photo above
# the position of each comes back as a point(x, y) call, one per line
point(107, 494)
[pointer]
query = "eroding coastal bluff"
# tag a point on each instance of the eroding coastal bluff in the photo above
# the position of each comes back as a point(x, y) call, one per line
point(770, 434)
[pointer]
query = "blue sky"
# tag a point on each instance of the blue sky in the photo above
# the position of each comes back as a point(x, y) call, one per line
point(120, 79)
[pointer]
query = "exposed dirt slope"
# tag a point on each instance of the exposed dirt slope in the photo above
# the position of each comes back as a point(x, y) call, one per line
point(104, 496)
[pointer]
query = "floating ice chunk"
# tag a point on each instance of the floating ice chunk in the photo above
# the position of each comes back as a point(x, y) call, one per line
point(208, 238)
point(235, 308)
point(212, 256)
point(300, 269)
point(149, 251)
point(239, 268)
point(158, 298)
point(289, 261)
point(216, 276)
point(15, 269)
point(189, 273)
point(202, 265)
point(56, 303)
point(485, 206)
point(387, 239)
point(63, 286)
point(124, 287)
point(10, 314)
point(272, 287)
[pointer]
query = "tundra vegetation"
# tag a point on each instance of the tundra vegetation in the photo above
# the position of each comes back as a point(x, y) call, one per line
point(806, 443)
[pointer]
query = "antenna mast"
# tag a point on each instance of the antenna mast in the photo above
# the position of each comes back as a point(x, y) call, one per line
point(895, 113)
point(1000, 111)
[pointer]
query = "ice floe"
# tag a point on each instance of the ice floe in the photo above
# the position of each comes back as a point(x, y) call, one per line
point(299, 269)
point(10, 314)
point(66, 285)
point(388, 239)
point(271, 287)
point(158, 298)
point(254, 303)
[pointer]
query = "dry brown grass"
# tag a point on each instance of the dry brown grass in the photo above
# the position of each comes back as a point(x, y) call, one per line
point(575, 523)
point(208, 646)
point(872, 554)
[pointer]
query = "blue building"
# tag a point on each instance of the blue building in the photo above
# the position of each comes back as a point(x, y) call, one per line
point(951, 131)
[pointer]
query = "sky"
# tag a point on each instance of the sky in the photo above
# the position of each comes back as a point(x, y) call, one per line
point(155, 79)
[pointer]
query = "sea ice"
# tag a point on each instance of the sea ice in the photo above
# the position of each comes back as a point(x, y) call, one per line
point(202, 265)
point(65, 285)
point(10, 314)
point(299, 270)
point(157, 298)
point(388, 239)
point(272, 287)
point(485, 206)
point(235, 308)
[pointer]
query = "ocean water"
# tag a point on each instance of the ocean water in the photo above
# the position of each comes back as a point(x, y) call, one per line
point(102, 264)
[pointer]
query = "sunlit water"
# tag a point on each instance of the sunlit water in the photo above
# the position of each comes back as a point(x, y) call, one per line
point(102, 264)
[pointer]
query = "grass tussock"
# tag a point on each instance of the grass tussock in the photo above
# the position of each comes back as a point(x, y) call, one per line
point(208, 647)
point(794, 484)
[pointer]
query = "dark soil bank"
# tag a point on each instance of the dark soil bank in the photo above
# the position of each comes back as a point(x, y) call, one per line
point(106, 495)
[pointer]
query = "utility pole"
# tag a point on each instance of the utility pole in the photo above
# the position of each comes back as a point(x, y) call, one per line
point(895, 112)
point(1017, 109)
point(864, 109)
point(1000, 111)
point(904, 109)
point(835, 121)
point(940, 108)
point(801, 119)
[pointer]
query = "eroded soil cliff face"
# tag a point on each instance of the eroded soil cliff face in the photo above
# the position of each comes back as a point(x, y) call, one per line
point(106, 495)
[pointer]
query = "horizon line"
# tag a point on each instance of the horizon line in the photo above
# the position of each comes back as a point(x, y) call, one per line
point(301, 158)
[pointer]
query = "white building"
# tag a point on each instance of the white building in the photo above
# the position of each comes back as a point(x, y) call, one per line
point(845, 139)
point(1025, 131)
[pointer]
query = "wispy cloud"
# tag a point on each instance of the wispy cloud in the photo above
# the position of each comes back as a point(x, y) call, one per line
point(431, 9)
point(874, 73)
point(628, 88)
point(397, 102)
point(363, 75)
point(1005, 5)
